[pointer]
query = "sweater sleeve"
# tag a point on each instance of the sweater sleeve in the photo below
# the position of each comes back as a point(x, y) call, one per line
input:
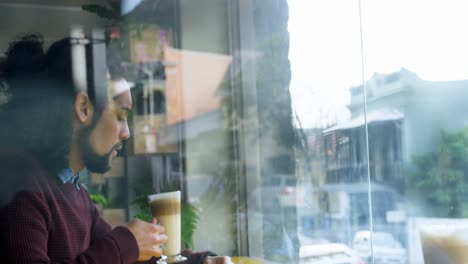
point(121, 237)
point(25, 224)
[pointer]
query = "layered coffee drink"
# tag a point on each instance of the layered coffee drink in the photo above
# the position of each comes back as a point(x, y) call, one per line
point(166, 208)
point(447, 249)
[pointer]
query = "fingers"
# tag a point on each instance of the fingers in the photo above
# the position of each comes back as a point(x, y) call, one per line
point(158, 242)
point(157, 251)
point(155, 246)
point(149, 236)
point(160, 239)
point(226, 260)
point(218, 260)
point(160, 229)
point(152, 228)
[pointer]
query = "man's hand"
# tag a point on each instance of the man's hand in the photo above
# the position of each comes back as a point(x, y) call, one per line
point(149, 236)
point(218, 260)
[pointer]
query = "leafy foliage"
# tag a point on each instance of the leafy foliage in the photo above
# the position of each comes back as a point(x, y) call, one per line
point(442, 175)
point(145, 212)
point(190, 218)
point(99, 199)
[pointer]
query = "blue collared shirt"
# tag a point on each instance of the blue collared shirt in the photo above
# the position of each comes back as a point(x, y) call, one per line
point(67, 175)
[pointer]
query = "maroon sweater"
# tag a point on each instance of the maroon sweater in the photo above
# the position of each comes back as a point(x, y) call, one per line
point(47, 221)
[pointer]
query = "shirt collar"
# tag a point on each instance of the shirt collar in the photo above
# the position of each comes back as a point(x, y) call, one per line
point(67, 175)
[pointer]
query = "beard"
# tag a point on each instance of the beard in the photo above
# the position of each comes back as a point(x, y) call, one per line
point(93, 161)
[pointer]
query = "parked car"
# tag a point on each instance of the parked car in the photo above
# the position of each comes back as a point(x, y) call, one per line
point(328, 253)
point(387, 250)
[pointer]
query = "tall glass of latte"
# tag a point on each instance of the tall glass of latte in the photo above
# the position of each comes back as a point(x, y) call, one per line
point(166, 208)
point(444, 248)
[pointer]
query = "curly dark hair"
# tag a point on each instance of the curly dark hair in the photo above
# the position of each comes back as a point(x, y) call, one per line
point(37, 118)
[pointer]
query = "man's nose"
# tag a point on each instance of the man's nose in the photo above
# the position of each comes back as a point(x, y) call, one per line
point(125, 132)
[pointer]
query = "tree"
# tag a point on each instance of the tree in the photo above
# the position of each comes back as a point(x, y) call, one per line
point(441, 176)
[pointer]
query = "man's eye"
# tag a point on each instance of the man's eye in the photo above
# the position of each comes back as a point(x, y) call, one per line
point(121, 119)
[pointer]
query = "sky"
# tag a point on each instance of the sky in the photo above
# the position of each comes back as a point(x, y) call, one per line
point(428, 37)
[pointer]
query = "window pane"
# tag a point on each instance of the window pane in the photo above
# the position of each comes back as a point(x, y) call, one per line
point(332, 186)
point(416, 83)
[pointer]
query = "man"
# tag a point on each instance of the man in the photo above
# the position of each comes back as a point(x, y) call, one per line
point(50, 133)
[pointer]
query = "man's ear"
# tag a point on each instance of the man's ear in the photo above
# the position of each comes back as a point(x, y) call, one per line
point(83, 107)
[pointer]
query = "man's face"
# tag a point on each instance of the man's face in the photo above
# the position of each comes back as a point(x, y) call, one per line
point(100, 141)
